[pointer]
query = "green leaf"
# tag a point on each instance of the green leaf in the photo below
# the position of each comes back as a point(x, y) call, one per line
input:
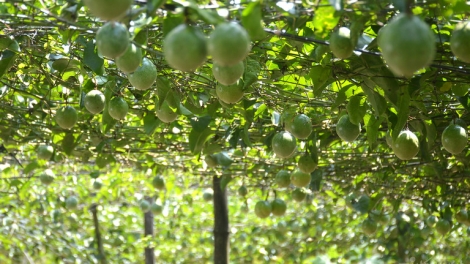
point(200, 123)
point(170, 22)
point(356, 109)
point(92, 60)
point(321, 78)
point(153, 5)
point(252, 21)
point(362, 205)
point(163, 88)
point(197, 139)
point(403, 112)
point(252, 70)
point(151, 122)
point(141, 37)
point(7, 59)
point(224, 181)
point(207, 15)
point(375, 99)
point(325, 20)
point(31, 167)
point(372, 128)
point(223, 159)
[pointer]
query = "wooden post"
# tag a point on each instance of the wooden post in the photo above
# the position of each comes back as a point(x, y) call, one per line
point(221, 224)
point(99, 241)
point(148, 231)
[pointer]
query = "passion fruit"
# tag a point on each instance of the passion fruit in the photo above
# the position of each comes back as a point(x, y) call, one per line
point(300, 179)
point(284, 144)
point(145, 76)
point(459, 41)
point(112, 40)
point(228, 75)
point(408, 44)
point(230, 94)
point(454, 139)
point(185, 48)
point(341, 44)
point(66, 117)
point(263, 209)
point(301, 126)
point(346, 130)
point(406, 145)
point(278, 207)
point(94, 101)
point(228, 44)
point(118, 108)
point(166, 114)
point(130, 60)
point(108, 9)
point(283, 178)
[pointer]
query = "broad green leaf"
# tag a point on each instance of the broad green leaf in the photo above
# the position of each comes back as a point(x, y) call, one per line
point(325, 20)
point(170, 22)
point(153, 5)
point(151, 122)
point(163, 88)
point(356, 109)
point(375, 99)
point(197, 139)
point(321, 77)
point(200, 123)
point(362, 205)
point(252, 21)
point(224, 181)
point(372, 129)
point(7, 59)
point(92, 60)
point(223, 159)
point(252, 70)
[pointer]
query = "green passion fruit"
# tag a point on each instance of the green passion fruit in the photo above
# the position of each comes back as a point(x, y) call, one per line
point(341, 44)
point(300, 179)
point(284, 144)
point(118, 108)
point(406, 145)
point(306, 164)
point(166, 114)
point(185, 48)
point(112, 40)
point(454, 139)
point(144, 206)
point(301, 126)
point(230, 94)
point(443, 226)
point(130, 60)
point(66, 117)
point(263, 209)
point(299, 194)
point(145, 76)
point(283, 178)
point(408, 44)
point(45, 152)
point(71, 202)
point(459, 41)
point(158, 182)
point(228, 75)
point(369, 226)
point(346, 130)
point(278, 207)
point(94, 101)
point(108, 9)
point(228, 44)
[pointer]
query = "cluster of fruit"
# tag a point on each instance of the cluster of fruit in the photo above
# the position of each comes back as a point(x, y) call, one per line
point(408, 44)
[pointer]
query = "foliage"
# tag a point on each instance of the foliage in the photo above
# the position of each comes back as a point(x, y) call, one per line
point(49, 59)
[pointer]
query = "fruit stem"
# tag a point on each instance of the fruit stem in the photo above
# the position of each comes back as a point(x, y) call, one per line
point(408, 4)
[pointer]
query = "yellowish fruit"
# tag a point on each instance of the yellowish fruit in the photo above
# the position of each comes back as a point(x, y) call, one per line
point(306, 164)
point(299, 194)
point(408, 44)
point(406, 145)
point(284, 144)
point(443, 226)
point(263, 209)
point(300, 179)
point(369, 226)
point(185, 48)
point(454, 139)
point(459, 41)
